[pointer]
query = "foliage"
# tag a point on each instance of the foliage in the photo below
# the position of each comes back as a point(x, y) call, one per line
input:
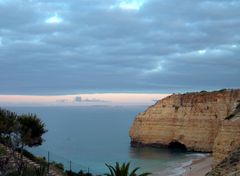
point(40, 160)
point(31, 171)
point(41, 171)
point(18, 131)
point(27, 154)
point(80, 173)
point(222, 90)
point(31, 129)
point(123, 170)
point(29, 133)
point(2, 151)
point(59, 166)
point(7, 124)
point(25, 129)
point(26, 172)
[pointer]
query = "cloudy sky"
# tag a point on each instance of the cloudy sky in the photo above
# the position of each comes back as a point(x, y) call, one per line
point(59, 47)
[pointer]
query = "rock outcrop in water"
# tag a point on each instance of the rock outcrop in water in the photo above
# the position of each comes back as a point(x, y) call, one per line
point(195, 120)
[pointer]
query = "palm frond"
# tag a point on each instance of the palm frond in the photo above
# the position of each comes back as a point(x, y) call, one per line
point(133, 173)
point(123, 170)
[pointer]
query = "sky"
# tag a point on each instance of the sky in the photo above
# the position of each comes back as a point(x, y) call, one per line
point(102, 99)
point(59, 47)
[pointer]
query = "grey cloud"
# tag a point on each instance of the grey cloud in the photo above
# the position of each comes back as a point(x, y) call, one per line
point(98, 49)
point(15, 13)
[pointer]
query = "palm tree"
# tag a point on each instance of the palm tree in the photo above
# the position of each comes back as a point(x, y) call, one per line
point(123, 170)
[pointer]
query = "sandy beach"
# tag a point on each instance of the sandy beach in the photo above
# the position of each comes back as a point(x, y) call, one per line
point(199, 167)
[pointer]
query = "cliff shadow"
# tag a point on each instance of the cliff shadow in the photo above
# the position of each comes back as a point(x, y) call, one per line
point(177, 146)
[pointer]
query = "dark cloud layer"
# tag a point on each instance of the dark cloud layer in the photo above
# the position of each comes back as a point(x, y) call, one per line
point(62, 47)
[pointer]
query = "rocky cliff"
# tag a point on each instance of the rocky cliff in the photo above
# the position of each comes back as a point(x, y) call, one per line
point(191, 119)
point(229, 166)
point(228, 137)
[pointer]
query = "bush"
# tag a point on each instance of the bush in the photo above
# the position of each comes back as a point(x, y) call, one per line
point(32, 157)
point(222, 90)
point(58, 165)
point(40, 160)
point(2, 151)
point(81, 173)
point(26, 154)
point(26, 172)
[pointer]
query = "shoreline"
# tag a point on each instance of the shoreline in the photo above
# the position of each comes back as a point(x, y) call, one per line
point(199, 167)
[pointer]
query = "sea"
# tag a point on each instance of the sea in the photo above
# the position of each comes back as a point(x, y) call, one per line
point(88, 137)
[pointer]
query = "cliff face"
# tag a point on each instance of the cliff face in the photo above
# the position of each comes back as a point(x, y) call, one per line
point(228, 137)
point(230, 166)
point(192, 119)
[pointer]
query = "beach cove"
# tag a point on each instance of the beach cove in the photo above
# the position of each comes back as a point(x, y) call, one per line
point(106, 141)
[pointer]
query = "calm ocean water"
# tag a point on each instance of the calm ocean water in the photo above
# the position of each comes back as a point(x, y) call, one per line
point(93, 136)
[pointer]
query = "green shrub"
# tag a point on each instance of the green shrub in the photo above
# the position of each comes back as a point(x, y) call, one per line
point(222, 90)
point(2, 151)
point(40, 160)
point(41, 171)
point(80, 173)
point(26, 172)
point(27, 154)
point(58, 165)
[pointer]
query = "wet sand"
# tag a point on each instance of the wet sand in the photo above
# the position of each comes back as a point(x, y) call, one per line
point(199, 167)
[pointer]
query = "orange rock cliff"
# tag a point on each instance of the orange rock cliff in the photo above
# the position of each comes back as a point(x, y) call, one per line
point(204, 121)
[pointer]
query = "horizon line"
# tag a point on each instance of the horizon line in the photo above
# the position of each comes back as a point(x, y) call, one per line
point(83, 99)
